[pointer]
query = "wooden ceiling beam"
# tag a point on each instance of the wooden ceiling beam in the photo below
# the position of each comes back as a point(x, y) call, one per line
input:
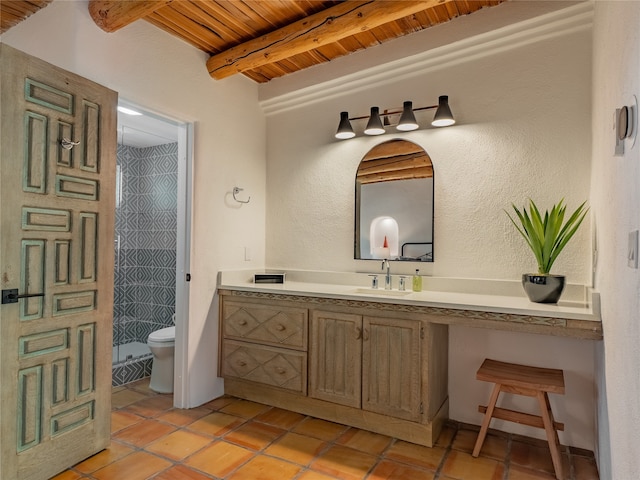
point(325, 27)
point(112, 15)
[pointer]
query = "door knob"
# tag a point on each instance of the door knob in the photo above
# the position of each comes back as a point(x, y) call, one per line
point(12, 296)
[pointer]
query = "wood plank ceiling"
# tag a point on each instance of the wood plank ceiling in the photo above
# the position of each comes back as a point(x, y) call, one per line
point(266, 39)
point(13, 12)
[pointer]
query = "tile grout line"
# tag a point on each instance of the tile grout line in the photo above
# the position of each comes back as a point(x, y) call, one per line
point(262, 451)
point(447, 451)
point(507, 459)
point(456, 428)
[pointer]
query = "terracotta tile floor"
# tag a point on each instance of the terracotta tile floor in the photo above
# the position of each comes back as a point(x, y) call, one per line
point(234, 439)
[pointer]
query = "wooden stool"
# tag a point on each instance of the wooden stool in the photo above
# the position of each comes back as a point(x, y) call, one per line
point(523, 380)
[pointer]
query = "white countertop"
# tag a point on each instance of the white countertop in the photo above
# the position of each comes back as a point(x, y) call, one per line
point(500, 296)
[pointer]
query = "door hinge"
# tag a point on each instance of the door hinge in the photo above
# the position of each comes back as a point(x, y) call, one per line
point(421, 408)
point(188, 277)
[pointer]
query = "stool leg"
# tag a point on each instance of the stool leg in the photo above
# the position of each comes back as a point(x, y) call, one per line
point(552, 434)
point(552, 418)
point(486, 420)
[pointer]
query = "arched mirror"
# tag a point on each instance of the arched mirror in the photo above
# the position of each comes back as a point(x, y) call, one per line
point(394, 203)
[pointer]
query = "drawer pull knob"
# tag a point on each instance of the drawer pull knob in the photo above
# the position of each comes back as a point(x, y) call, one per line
point(242, 363)
point(242, 322)
point(280, 328)
point(280, 370)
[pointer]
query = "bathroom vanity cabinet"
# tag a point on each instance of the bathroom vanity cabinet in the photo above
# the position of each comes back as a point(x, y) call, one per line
point(327, 345)
point(348, 362)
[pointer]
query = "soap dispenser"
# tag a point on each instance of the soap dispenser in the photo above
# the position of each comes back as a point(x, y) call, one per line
point(417, 281)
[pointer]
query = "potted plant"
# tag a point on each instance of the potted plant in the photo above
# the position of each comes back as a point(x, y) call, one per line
point(546, 236)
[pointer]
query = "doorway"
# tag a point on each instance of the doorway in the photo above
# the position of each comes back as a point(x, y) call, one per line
point(151, 238)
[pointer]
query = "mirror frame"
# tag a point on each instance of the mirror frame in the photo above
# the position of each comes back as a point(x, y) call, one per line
point(358, 186)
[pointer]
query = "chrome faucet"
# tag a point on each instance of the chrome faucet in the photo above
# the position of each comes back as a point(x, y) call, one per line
point(387, 277)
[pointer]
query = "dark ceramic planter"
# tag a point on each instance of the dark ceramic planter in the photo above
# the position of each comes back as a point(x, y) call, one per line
point(543, 288)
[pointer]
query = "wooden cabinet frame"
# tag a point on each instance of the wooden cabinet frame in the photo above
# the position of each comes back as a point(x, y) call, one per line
point(359, 359)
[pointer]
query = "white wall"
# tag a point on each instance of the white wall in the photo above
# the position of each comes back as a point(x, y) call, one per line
point(616, 198)
point(163, 74)
point(522, 100)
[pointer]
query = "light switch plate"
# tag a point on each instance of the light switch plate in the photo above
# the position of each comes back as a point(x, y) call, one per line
point(632, 251)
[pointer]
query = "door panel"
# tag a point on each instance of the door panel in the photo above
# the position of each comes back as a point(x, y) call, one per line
point(392, 364)
point(56, 239)
point(335, 357)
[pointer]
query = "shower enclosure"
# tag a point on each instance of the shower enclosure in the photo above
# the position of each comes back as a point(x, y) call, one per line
point(145, 248)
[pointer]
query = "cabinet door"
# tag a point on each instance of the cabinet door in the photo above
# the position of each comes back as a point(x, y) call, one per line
point(336, 357)
point(391, 367)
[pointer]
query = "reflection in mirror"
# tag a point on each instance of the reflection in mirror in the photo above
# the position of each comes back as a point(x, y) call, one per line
point(394, 203)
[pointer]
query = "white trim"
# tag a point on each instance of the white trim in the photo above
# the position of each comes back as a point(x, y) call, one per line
point(559, 23)
point(183, 262)
point(183, 249)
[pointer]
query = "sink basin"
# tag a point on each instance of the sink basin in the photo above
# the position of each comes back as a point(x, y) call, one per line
point(383, 292)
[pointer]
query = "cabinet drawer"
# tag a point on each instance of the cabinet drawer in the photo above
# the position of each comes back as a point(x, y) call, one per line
point(269, 324)
point(277, 367)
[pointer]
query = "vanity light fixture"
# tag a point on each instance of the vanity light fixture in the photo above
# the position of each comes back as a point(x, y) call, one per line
point(443, 116)
point(344, 129)
point(376, 126)
point(407, 119)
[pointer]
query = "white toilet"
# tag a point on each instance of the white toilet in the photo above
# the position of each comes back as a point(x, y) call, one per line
point(162, 345)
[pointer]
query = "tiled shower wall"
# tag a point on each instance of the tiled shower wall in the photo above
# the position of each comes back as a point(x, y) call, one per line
point(146, 220)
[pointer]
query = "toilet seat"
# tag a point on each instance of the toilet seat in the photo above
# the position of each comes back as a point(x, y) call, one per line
point(164, 335)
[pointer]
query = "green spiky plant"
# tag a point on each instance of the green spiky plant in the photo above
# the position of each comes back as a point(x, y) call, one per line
point(547, 236)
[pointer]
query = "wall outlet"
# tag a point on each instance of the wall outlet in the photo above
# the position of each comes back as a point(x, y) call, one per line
point(632, 250)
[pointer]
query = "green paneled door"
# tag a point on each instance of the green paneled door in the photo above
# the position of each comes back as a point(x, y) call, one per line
point(56, 251)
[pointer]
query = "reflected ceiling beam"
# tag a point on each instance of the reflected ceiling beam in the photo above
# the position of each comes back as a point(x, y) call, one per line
point(394, 160)
point(393, 149)
point(418, 172)
point(323, 28)
point(112, 15)
point(403, 167)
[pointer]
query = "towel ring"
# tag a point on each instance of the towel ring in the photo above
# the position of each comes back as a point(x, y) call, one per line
point(237, 190)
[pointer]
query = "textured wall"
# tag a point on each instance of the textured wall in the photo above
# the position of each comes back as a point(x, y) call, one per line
point(615, 198)
point(523, 131)
point(523, 104)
